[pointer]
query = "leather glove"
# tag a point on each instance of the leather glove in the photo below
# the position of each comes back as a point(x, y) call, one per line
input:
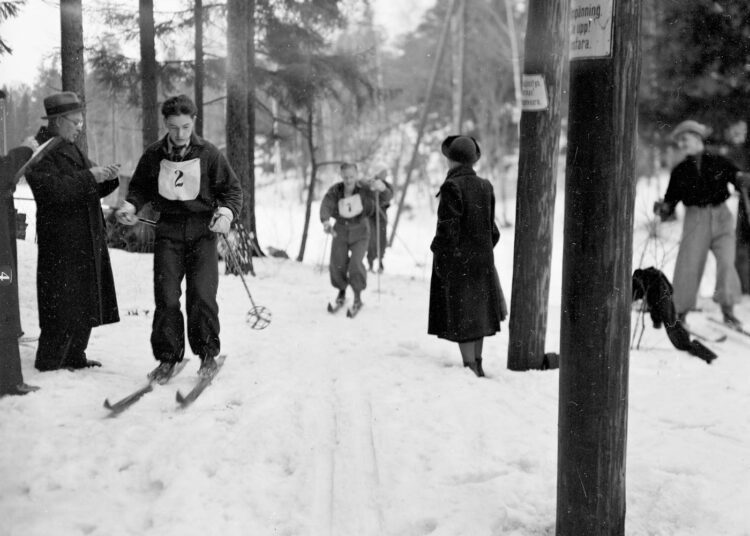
point(221, 221)
point(126, 214)
point(663, 210)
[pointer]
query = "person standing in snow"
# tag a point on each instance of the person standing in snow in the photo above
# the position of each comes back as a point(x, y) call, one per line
point(379, 222)
point(190, 182)
point(75, 286)
point(700, 183)
point(735, 136)
point(350, 204)
point(466, 301)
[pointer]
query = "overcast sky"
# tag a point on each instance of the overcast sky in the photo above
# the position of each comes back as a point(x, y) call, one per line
point(35, 33)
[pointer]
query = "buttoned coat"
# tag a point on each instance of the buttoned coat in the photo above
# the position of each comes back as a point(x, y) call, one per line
point(74, 273)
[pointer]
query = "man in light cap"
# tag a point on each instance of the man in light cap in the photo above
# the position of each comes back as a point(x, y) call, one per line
point(75, 286)
point(700, 182)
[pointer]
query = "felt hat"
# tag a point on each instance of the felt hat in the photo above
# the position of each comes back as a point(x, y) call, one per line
point(461, 149)
point(62, 103)
point(691, 126)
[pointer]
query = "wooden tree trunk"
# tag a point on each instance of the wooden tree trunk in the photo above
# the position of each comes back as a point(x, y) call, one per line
point(71, 54)
point(313, 180)
point(237, 128)
point(546, 46)
point(149, 99)
point(459, 40)
point(200, 72)
point(248, 184)
point(596, 292)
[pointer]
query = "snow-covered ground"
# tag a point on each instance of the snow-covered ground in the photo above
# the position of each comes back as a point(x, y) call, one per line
point(321, 425)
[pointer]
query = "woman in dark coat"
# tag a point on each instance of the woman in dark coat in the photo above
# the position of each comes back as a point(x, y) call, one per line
point(75, 287)
point(466, 301)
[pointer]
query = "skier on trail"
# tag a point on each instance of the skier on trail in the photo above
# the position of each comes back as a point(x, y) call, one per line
point(700, 182)
point(378, 224)
point(198, 195)
point(350, 204)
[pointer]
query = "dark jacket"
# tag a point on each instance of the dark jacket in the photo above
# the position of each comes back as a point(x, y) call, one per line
point(219, 186)
point(466, 300)
point(358, 227)
point(74, 274)
point(704, 187)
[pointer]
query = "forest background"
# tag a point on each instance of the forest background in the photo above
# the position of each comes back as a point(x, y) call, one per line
point(291, 89)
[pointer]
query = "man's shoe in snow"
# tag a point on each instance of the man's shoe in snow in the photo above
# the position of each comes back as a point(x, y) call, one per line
point(729, 318)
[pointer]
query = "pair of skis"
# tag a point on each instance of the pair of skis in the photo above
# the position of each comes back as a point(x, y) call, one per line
point(720, 337)
point(351, 312)
point(183, 400)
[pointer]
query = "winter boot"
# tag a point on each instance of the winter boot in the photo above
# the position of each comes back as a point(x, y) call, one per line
point(357, 299)
point(208, 367)
point(341, 298)
point(730, 320)
point(163, 372)
point(479, 371)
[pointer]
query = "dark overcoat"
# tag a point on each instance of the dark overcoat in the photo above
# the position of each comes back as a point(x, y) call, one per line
point(74, 274)
point(466, 302)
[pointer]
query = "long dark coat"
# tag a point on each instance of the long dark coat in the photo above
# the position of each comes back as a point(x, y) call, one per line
point(74, 274)
point(466, 301)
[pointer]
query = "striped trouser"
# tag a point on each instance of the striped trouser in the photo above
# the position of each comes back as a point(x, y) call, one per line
point(706, 229)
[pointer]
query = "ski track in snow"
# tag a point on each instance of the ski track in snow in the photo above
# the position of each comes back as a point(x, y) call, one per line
point(322, 425)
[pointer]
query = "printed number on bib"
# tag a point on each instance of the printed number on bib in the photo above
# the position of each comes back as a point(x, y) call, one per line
point(350, 206)
point(180, 181)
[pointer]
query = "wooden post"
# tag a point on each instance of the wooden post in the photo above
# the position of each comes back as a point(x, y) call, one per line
point(597, 263)
point(546, 52)
point(149, 79)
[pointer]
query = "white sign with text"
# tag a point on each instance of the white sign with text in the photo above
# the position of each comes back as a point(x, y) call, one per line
point(533, 93)
point(590, 29)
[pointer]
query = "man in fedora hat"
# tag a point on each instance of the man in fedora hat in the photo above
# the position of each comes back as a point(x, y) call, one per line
point(75, 287)
point(700, 182)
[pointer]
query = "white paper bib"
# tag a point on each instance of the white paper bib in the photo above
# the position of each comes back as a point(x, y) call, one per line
point(350, 206)
point(180, 181)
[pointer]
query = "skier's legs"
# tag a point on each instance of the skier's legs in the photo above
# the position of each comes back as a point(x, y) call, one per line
point(339, 264)
point(202, 270)
point(372, 246)
point(357, 271)
point(168, 331)
point(49, 349)
point(742, 248)
point(728, 289)
point(691, 257)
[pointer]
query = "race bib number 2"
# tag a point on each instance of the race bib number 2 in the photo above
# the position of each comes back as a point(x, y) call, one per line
point(180, 181)
point(350, 206)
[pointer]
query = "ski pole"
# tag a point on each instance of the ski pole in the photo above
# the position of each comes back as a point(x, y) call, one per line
point(377, 238)
point(323, 256)
point(260, 315)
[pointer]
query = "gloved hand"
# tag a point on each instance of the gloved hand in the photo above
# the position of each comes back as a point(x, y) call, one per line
point(378, 185)
point(663, 210)
point(221, 221)
point(328, 228)
point(126, 214)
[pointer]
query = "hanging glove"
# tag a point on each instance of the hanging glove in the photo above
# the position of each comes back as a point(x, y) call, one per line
point(221, 220)
point(126, 214)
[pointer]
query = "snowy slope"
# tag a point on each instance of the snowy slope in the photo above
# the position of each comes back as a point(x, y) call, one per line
point(322, 425)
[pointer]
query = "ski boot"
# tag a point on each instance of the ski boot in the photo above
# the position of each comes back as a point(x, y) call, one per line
point(163, 372)
point(727, 311)
point(341, 298)
point(208, 367)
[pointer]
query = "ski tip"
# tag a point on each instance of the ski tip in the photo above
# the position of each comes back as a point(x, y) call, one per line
point(330, 308)
point(107, 404)
point(180, 398)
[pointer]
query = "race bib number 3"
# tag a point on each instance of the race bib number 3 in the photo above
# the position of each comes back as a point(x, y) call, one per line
point(350, 206)
point(180, 181)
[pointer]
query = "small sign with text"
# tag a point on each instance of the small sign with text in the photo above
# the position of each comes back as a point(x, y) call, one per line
point(590, 29)
point(533, 93)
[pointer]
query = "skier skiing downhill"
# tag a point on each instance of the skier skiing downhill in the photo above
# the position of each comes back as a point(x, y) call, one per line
point(198, 195)
point(350, 204)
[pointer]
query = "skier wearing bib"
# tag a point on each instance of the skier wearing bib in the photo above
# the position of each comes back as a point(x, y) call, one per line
point(350, 205)
point(191, 184)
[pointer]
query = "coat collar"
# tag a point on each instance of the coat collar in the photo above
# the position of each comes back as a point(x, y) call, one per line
point(460, 171)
